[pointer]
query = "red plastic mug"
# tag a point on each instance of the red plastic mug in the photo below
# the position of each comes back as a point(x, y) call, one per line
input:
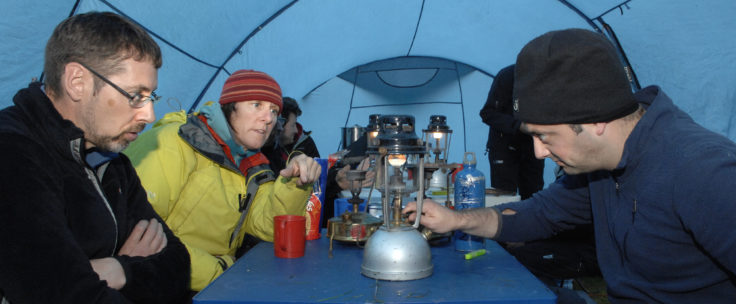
point(289, 235)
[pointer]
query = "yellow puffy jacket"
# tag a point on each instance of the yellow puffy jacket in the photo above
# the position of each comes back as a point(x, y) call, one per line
point(198, 191)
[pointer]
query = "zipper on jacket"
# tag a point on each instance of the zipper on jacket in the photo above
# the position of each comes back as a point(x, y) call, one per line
point(76, 148)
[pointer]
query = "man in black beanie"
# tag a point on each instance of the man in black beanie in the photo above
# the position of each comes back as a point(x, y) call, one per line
point(566, 255)
point(657, 187)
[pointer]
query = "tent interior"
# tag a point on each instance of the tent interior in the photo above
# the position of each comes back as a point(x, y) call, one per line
point(345, 60)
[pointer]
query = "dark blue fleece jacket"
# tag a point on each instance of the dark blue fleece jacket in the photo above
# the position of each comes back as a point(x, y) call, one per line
point(665, 219)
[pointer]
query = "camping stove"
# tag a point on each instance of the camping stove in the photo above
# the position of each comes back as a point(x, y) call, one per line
point(353, 225)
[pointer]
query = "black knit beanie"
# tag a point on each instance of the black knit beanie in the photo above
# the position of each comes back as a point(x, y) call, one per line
point(571, 76)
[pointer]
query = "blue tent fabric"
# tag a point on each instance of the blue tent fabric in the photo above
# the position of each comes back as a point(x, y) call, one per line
point(344, 60)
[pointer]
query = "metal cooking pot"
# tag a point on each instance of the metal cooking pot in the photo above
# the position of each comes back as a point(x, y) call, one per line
point(351, 135)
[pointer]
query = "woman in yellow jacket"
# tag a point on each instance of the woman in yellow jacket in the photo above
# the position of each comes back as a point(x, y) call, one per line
point(205, 175)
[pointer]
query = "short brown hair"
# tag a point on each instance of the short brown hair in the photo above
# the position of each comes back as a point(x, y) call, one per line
point(227, 110)
point(101, 40)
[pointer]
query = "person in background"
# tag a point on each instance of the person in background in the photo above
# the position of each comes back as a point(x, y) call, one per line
point(356, 158)
point(271, 148)
point(76, 224)
point(657, 186)
point(291, 138)
point(511, 152)
point(294, 137)
point(208, 180)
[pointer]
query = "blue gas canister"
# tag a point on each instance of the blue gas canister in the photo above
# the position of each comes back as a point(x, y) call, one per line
point(470, 192)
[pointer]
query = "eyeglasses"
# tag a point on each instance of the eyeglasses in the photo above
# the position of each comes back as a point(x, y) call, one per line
point(136, 100)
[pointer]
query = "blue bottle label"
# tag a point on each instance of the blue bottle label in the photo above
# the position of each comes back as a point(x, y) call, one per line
point(470, 188)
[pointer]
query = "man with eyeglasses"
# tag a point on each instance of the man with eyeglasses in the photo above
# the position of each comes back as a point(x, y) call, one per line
point(76, 223)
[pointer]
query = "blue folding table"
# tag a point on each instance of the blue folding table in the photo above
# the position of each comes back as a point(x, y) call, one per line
point(260, 277)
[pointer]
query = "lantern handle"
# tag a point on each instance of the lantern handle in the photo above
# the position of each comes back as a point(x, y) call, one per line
point(420, 194)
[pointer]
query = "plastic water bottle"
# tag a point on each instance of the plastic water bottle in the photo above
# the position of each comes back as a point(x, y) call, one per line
point(470, 192)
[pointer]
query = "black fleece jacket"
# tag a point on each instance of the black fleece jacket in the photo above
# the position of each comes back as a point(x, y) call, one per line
point(53, 218)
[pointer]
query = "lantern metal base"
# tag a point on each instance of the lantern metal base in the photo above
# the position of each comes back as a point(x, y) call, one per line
point(397, 254)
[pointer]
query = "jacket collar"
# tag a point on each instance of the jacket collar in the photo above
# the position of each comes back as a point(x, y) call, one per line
point(659, 108)
point(299, 138)
point(218, 123)
point(197, 133)
point(61, 134)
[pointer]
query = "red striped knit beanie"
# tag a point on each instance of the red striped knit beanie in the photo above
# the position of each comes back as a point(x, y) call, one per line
point(244, 85)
